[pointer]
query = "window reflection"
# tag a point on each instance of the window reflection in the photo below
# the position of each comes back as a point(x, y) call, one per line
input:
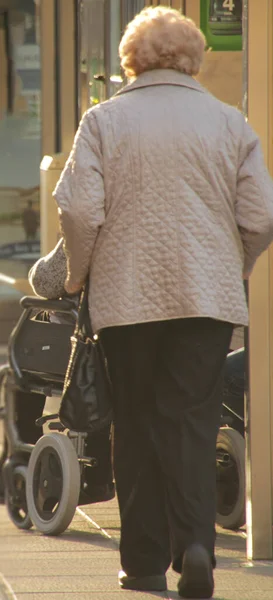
point(101, 24)
point(19, 136)
point(130, 8)
point(92, 67)
point(115, 75)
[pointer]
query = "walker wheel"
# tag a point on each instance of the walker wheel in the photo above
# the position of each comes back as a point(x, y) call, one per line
point(53, 483)
point(230, 460)
point(17, 504)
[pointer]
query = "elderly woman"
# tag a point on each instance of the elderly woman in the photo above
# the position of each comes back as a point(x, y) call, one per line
point(166, 202)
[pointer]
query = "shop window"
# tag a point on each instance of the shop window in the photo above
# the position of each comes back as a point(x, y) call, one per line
point(114, 76)
point(101, 25)
point(130, 8)
point(20, 134)
point(91, 53)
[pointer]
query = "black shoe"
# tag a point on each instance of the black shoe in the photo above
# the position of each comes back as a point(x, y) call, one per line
point(147, 583)
point(196, 580)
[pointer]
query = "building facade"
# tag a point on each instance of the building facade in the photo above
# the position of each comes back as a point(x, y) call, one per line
point(60, 57)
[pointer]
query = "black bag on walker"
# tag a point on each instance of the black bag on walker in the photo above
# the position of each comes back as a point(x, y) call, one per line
point(86, 404)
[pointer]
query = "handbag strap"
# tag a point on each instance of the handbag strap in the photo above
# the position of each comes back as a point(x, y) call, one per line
point(84, 328)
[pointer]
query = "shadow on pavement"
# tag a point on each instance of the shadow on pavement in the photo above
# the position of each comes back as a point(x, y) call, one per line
point(230, 541)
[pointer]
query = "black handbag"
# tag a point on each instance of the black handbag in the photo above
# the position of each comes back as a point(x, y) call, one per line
point(86, 404)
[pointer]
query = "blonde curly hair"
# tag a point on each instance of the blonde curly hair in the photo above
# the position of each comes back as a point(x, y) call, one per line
point(161, 38)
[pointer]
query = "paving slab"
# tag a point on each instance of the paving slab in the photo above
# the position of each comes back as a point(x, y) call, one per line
point(83, 563)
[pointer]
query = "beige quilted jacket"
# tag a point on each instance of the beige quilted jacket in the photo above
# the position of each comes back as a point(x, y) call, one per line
point(166, 200)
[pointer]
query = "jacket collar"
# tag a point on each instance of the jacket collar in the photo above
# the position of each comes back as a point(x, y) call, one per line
point(162, 77)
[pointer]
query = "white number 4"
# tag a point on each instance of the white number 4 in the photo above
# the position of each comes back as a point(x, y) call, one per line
point(228, 4)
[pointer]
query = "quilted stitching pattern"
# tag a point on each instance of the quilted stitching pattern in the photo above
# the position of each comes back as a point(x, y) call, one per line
point(166, 198)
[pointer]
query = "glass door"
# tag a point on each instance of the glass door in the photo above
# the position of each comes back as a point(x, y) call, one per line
point(91, 54)
point(101, 25)
point(19, 139)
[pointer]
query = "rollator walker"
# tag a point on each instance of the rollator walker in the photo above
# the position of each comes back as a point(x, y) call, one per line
point(44, 482)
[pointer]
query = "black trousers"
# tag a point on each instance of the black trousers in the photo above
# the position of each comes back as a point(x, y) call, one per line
point(167, 384)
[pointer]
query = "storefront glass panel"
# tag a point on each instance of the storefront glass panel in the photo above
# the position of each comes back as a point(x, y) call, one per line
point(101, 25)
point(92, 53)
point(20, 152)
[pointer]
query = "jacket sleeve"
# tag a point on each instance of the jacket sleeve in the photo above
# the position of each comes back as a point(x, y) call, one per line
point(254, 202)
point(48, 274)
point(80, 197)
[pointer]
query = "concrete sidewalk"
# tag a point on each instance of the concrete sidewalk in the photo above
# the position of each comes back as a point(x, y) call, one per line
point(83, 563)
